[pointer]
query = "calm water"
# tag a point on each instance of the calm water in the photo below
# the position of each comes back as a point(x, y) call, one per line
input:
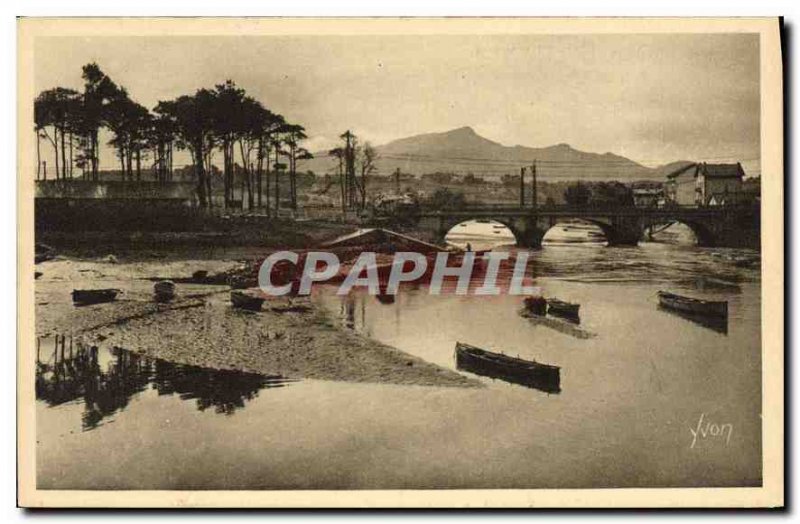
point(630, 395)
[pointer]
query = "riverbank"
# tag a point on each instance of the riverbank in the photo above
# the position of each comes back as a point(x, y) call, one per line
point(209, 238)
point(201, 328)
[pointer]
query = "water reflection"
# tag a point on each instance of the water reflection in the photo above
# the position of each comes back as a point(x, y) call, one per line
point(562, 326)
point(718, 324)
point(106, 381)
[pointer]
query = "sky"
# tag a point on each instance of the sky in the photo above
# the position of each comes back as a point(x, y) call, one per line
point(651, 98)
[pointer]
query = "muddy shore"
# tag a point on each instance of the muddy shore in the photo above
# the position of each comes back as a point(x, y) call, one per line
point(201, 328)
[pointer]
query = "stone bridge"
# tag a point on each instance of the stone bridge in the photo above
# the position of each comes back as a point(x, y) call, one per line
point(722, 226)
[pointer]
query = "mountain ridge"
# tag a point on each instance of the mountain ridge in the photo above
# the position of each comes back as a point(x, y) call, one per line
point(462, 150)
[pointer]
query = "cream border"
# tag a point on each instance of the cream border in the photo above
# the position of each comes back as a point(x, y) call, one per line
point(772, 492)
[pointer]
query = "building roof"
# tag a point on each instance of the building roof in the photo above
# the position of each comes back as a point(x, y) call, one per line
point(723, 170)
point(710, 170)
point(369, 236)
point(646, 191)
point(683, 170)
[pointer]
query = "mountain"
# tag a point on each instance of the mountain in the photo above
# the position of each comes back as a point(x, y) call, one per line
point(464, 151)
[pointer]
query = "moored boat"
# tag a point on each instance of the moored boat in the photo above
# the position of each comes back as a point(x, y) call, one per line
point(694, 306)
point(83, 297)
point(511, 369)
point(243, 300)
point(562, 309)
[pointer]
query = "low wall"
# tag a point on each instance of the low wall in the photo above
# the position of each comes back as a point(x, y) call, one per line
point(114, 189)
point(125, 214)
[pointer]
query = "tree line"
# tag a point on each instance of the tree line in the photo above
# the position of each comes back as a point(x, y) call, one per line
point(224, 120)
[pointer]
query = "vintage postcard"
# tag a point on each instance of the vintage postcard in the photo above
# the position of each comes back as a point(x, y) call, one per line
point(400, 262)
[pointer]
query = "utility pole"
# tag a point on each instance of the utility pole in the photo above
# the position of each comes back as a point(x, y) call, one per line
point(397, 180)
point(522, 187)
point(350, 167)
point(533, 185)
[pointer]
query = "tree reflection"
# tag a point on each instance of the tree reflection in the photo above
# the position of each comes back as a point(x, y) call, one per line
point(73, 372)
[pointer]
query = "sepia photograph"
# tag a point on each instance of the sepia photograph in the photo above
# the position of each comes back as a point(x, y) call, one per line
point(400, 262)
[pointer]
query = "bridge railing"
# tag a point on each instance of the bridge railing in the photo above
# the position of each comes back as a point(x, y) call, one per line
point(500, 208)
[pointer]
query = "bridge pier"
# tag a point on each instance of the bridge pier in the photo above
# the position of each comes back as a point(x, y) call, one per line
point(527, 230)
point(531, 238)
point(625, 231)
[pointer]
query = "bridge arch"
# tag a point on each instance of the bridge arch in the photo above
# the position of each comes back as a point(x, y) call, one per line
point(622, 226)
point(703, 234)
point(600, 233)
point(449, 231)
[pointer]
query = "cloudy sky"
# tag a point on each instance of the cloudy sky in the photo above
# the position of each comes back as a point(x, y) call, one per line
point(651, 98)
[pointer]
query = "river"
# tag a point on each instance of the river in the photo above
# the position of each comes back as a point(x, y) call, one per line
point(647, 398)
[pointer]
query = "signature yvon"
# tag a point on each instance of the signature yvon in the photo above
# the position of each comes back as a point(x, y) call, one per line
point(706, 429)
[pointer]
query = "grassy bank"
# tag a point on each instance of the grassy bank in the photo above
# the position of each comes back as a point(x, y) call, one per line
point(231, 238)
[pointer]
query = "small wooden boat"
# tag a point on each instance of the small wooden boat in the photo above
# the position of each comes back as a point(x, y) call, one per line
point(563, 309)
point(164, 290)
point(693, 306)
point(94, 296)
point(243, 300)
point(516, 370)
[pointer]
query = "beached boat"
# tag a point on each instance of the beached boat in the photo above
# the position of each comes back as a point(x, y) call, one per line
point(164, 290)
point(563, 309)
point(243, 300)
point(516, 370)
point(93, 296)
point(694, 306)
